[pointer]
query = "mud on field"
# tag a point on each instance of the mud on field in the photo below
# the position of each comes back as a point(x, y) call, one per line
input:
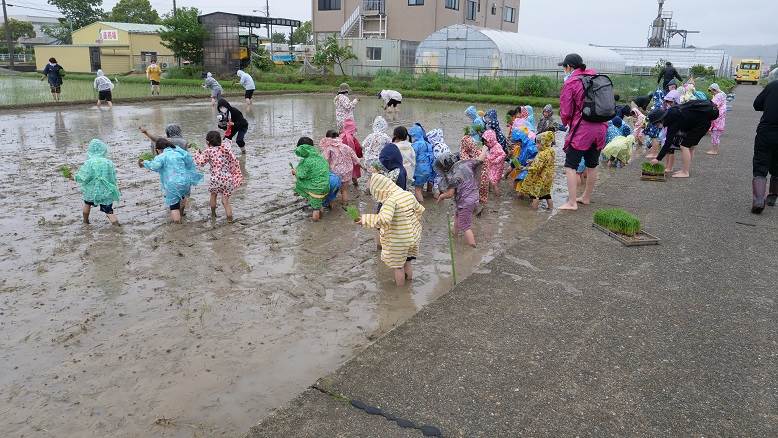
point(197, 329)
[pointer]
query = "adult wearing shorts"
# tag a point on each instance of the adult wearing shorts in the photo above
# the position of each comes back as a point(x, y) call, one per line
point(766, 147)
point(392, 100)
point(585, 140)
point(54, 72)
point(154, 75)
point(103, 85)
point(247, 82)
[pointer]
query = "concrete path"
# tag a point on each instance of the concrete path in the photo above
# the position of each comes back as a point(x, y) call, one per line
point(570, 333)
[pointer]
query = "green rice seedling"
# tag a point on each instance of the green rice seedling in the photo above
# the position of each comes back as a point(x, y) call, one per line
point(66, 171)
point(146, 156)
point(516, 163)
point(618, 221)
point(352, 212)
point(653, 169)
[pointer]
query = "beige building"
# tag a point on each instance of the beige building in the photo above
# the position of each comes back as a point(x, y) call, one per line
point(408, 20)
point(112, 47)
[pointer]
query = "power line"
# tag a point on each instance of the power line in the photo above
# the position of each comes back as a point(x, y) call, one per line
point(34, 9)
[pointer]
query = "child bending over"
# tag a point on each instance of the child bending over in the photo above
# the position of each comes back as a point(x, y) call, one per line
point(540, 173)
point(312, 176)
point(225, 170)
point(341, 159)
point(177, 175)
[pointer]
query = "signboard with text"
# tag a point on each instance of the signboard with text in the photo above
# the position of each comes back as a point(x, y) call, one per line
point(108, 35)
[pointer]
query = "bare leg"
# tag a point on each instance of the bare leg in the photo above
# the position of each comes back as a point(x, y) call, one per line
point(212, 203)
point(408, 271)
point(670, 163)
point(85, 212)
point(419, 193)
point(470, 238)
point(654, 149)
point(98, 103)
point(184, 202)
point(316, 215)
point(496, 187)
point(686, 157)
point(534, 204)
point(227, 207)
point(175, 216)
point(549, 204)
point(572, 190)
point(399, 277)
point(344, 193)
point(591, 180)
point(113, 219)
point(110, 104)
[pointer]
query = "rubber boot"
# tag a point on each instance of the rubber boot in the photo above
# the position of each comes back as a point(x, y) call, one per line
point(759, 186)
point(772, 194)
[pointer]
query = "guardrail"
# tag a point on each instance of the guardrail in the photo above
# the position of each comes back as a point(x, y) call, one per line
point(18, 57)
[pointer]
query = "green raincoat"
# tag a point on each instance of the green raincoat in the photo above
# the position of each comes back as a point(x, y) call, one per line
point(97, 176)
point(313, 175)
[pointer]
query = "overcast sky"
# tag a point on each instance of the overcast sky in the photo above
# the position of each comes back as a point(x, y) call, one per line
point(607, 22)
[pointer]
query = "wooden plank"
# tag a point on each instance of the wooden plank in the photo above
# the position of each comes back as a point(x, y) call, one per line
point(651, 240)
point(659, 178)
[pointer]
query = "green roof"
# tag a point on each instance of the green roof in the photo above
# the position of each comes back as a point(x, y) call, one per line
point(135, 27)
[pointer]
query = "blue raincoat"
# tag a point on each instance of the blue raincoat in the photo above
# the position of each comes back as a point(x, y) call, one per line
point(177, 173)
point(97, 176)
point(425, 156)
point(528, 151)
point(531, 118)
point(392, 159)
point(477, 121)
point(334, 189)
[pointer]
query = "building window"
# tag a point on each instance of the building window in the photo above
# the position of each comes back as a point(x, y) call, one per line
point(329, 5)
point(494, 9)
point(415, 2)
point(373, 53)
point(479, 6)
point(509, 14)
point(452, 4)
point(470, 13)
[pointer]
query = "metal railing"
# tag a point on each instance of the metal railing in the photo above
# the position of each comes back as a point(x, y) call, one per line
point(374, 6)
point(18, 57)
point(351, 22)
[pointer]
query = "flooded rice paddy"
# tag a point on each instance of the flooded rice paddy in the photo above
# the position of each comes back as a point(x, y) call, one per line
point(107, 331)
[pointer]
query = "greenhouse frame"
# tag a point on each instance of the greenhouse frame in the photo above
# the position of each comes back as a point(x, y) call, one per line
point(641, 60)
point(469, 51)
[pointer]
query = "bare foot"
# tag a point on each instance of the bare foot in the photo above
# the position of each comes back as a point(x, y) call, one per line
point(712, 152)
point(583, 201)
point(569, 206)
point(680, 174)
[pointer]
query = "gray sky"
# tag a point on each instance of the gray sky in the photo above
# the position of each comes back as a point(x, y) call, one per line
point(608, 22)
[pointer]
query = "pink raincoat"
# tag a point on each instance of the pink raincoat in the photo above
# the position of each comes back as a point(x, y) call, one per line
point(495, 161)
point(348, 137)
point(340, 157)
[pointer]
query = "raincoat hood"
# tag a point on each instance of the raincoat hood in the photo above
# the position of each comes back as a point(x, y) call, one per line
point(305, 151)
point(491, 118)
point(530, 116)
point(380, 125)
point(100, 73)
point(545, 140)
point(349, 128)
point(208, 75)
point(548, 108)
point(490, 139)
point(445, 163)
point(468, 150)
point(173, 130)
point(240, 73)
point(417, 133)
point(328, 142)
point(435, 136)
point(617, 121)
point(471, 112)
point(381, 187)
point(391, 158)
point(97, 149)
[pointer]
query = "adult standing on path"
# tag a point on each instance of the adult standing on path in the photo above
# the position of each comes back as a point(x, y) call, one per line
point(668, 74)
point(718, 125)
point(54, 72)
point(344, 107)
point(247, 82)
point(154, 75)
point(586, 139)
point(766, 146)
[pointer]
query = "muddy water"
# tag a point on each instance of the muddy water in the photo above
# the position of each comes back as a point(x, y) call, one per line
point(104, 330)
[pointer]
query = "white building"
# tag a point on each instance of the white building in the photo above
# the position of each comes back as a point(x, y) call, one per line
point(37, 23)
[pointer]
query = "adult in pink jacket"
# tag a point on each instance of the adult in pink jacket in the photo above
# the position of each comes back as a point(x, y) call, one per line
point(585, 139)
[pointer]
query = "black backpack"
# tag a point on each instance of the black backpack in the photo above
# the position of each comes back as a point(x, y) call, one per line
point(703, 109)
point(599, 103)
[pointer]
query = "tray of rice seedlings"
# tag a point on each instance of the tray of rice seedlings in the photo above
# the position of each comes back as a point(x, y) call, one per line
point(623, 227)
point(652, 172)
point(65, 171)
point(146, 156)
point(352, 212)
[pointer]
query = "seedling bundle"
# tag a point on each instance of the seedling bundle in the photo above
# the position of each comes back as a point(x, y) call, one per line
point(352, 212)
point(66, 171)
point(146, 156)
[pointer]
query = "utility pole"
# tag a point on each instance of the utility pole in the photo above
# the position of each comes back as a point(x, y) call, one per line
point(8, 39)
point(175, 10)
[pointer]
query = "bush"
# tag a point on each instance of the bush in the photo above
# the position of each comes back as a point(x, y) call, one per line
point(617, 221)
point(261, 60)
point(701, 71)
point(191, 71)
point(537, 86)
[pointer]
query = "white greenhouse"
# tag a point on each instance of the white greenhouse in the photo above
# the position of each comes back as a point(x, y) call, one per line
point(469, 51)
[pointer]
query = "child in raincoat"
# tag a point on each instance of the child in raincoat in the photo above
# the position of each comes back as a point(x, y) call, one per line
point(349, 137)
point(439, 148)
point(495, 161)
point(177, 175)
point(399, 225)
point(425, 158)
point(540, 173)
point(491, 121)
point(719, 125)
point(313, 179)
point(375, 141)
point(97, 178)
point(460, 181)
point(477, 125)
point(526, 120)
point(225, 170)
point(341, 160)
point(344, 107)
point(212, 84)
point(528, 151)
point(618, 151)
point(392, 167)
point(400, 139)
point(616, 128)
point(547, 122)
point(469, 150)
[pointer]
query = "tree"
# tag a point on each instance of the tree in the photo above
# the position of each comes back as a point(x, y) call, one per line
point(79, 12)
point(331, 53)
point(184, 35)
point(60, 31)
point(278, 37)
point(701, 71)
point(19, 29)
point(134, 11)
point(303, 34)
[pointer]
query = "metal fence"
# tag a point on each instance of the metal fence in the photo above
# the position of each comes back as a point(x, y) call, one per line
point(467, 72)
point(18, 57)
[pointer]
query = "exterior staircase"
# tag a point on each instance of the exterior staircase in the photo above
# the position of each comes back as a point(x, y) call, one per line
point(367, 21)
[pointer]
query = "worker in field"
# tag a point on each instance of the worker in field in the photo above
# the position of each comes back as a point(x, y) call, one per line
point(668, 74)
point(392, 100)
point(154, 75)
